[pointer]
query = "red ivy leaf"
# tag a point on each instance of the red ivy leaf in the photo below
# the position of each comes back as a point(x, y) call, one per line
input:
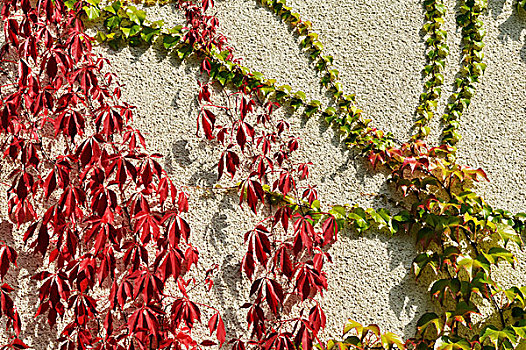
point(259, 242)
point(207, 4)
point(248, 265)
point(274, 296)
point(215, 324)
point(253, 191)
point(208, 120)
point(330, 230)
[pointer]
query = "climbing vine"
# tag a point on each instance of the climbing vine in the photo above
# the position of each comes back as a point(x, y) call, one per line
point(472, 66)
point(436, 55)
point(94, 201)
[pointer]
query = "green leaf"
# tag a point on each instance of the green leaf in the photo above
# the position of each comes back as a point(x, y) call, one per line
point(389, 339)
point(300, 95)
point(507, 233)
point(424, 259)
point(132, 31)
point(377, 218)
point(100, 37)
point(170, 41)
point(135, 41)
point(402, 216)
point(466, 263)
point(447, 343)
point(480, 284)
point(350, 325)
point(500, 338)
point(70, 4)
point(304, 27)
point(294, 18)
point(496, 253)
point(317, 45)
point(265, 90)
point(430, 319)
point(110, 9)
point(442, 286)
point(312, 107)
point(112, 22)
point(175, 30)
point(116, 5)
point(184, 51)
point(359, 218)
point(334, 74)
point(148, 33)
point(515, 294)
point(221, 77)
point(338, 212)
point(425, 236)
point(464, 309)
point(92, 12)
point(135, 15)
point(520, 329)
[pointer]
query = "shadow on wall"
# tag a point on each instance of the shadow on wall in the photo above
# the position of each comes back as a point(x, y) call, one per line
point(228, 283)
point(513, 27)
point(403, 298)
point(36, 332)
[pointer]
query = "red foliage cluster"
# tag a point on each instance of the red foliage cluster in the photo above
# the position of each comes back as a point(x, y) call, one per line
point(285, 255)
point(92, 200)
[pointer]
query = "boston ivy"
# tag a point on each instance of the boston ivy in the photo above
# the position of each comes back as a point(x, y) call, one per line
point(107, 200)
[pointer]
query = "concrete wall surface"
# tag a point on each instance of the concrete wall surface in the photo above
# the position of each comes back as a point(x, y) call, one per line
point(379, 49)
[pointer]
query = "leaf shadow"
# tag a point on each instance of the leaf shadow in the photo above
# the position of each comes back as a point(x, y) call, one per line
point(24, 298)
point(513, 27)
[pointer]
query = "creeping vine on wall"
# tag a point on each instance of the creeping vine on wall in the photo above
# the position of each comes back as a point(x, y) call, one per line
point(93, 200)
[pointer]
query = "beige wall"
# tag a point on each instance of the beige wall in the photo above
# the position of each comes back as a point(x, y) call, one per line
point(379, 51)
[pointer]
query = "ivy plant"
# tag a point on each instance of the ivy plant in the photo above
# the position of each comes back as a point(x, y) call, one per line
point(90, 196)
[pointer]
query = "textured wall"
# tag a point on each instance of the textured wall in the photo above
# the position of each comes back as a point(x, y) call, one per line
point(379, 50)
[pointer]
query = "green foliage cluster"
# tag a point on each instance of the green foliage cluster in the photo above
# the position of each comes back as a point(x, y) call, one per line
point(461, 239)
point(436, 57)
point(125, 24)
point(472, 66)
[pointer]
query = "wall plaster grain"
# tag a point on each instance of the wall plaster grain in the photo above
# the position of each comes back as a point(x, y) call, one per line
point(379, 50)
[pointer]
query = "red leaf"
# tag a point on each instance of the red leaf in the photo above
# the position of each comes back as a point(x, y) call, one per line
point(283, 215)
point(241, 138)
point(185, 311)
point(304, 232)
point(183, 228)
point(274, 296)
point(208, 342)
point(216, 324)
point(304, 338)
point(208, 120)
point(232, 162)
point(283, 261)
point(330, 230)
point(221, 333)
point(191, 256)
point(19, 344)
point(182, 202)
point(50, 184)
point(253, 191)
point(207, 4)
point(248, 265)
point(317, 319)
point(286, 183)
point(258, 240)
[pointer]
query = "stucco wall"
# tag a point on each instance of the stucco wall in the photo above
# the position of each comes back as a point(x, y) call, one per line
point(379, 50)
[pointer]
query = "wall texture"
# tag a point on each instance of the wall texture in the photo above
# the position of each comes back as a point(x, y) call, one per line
point(379, 50)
